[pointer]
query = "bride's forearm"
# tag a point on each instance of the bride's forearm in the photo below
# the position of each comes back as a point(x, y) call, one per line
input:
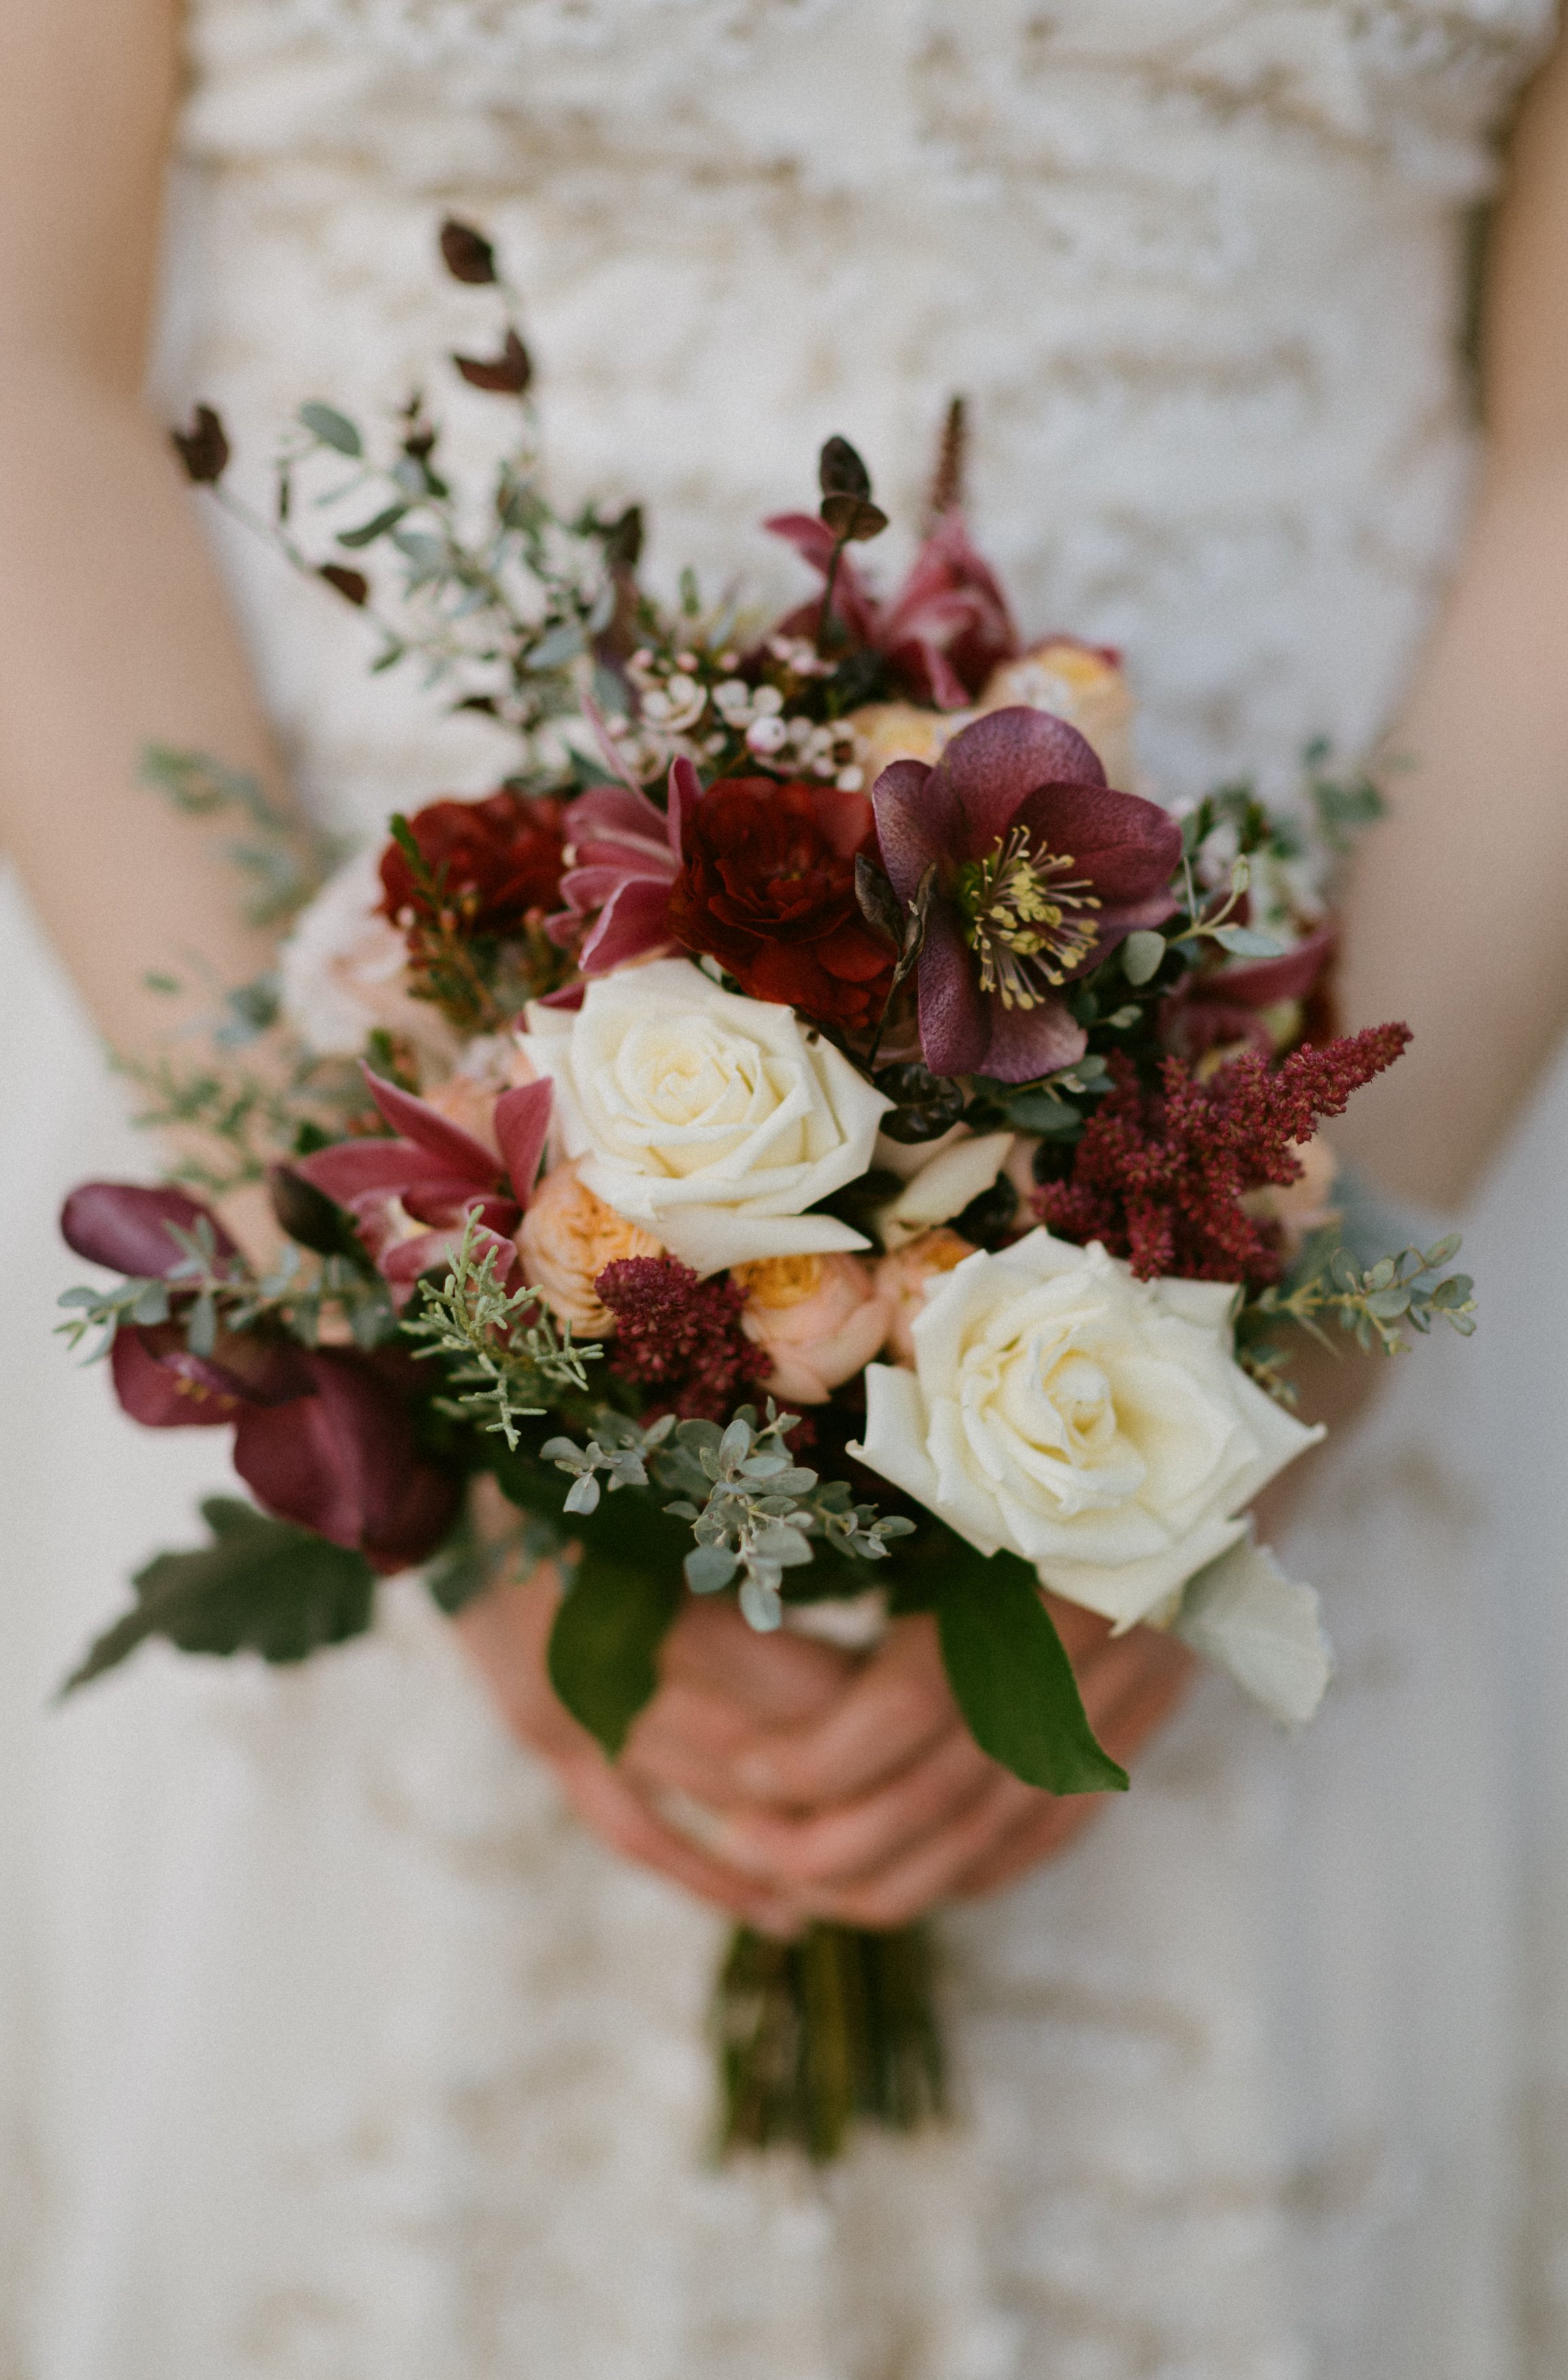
point(114, 635)
point(1455, 920)
point(114, 632)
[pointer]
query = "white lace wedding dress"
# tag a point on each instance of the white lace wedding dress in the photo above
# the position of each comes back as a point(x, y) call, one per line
point(330, 2049)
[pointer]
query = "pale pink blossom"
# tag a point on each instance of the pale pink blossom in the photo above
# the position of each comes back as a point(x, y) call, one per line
point(820, 1317)
point(902, 1281)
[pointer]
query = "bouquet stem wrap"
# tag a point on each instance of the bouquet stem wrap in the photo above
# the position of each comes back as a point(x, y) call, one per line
point(837, 2026)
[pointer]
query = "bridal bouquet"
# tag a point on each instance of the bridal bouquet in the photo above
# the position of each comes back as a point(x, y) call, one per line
point(810, 1133)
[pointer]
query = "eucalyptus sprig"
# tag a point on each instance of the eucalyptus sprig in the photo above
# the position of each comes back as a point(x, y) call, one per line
point(206, 1291)
point(507, 1351)
point(1372, 1303)
point(759, 1510)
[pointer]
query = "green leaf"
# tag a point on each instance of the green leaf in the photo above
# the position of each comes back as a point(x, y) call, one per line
point(367, 531)
point(334, 428)
point(1037, 1112)
point(261, 1585)
point(1143, 954)
point(1247, 943)
point(602, 1647)
point(1013, 1679)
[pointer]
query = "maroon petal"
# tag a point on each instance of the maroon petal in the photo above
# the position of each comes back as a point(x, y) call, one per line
point(633, 923)
point(1130, 847)
point(1029, 1042)
point(1262, 981)
point(163, 1395)
point(853, 604)
point(440, 1210)
point(954, 1016)
point(430, 1130)
point(522, 1122)
point(991, 768)
point(925, 668)
point(914, 815)
point(124, 1225)
point(685, 793)
point(617, 815)
point(359, 1169)
point(345, 1463)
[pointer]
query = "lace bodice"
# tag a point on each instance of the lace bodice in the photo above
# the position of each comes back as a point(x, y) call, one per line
point(1195, 265)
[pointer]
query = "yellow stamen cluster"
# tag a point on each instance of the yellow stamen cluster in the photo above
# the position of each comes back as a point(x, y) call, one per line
point(1025, 919)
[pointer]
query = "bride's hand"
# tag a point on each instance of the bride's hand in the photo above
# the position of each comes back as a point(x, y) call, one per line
point(882, 1803)
point(721, 1685)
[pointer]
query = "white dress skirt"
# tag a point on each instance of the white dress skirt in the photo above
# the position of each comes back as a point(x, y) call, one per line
point(331, 2048)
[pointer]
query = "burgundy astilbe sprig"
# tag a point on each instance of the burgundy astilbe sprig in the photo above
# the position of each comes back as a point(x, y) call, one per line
point(681, 1336)
point(1158, 1175)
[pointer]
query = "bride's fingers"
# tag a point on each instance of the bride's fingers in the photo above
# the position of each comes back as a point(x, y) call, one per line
point(893, 1709)
point(781, 1676)
point(851, 1841)
point(1041, 1834)
point(608, 1805)
point(910, 1886)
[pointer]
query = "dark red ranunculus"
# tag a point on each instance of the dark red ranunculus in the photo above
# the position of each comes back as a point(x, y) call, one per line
point(768, 888)
point(492, 862)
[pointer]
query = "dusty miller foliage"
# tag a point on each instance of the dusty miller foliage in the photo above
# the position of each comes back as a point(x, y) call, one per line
point(509, 1353)
point(1373, 1304)
point(753, 1510)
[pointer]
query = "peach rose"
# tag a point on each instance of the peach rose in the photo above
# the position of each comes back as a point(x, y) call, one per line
point(566, 1240)
point(902, 1280)
point(820, 1317)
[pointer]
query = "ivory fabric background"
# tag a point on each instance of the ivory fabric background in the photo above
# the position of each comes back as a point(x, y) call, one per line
point(329, 2049)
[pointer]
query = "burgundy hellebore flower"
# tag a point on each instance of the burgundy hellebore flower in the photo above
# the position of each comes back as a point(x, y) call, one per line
point(323, 1437)
point(438, 1174)
point(493, 860)
point(626, 856)
point(1040, 870)
point(944, 631)
point(1227, 1005)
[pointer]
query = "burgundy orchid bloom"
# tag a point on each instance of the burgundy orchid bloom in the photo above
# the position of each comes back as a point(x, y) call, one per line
point(1228, 1004)
point(323, 1437)
point(125, 1226)
point(435, 1174)
point(1039, 870)
point(944, 631)
point(626, 858)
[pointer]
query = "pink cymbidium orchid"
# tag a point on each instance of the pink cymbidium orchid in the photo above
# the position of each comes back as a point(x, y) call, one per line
point(1034, 870)
point(323, 1437)
point(435, 1175)
point(626, 858)
point(944, 631)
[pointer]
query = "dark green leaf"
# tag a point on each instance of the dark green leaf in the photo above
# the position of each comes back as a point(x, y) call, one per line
point(841, 472)
point(367, 531)
point(334, 428)
point(1013, 1679)
point(605, 1641)
point(261, 1585)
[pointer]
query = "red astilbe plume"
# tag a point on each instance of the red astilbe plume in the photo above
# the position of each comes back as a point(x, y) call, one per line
point(1158, 1175)
point(681, 1335)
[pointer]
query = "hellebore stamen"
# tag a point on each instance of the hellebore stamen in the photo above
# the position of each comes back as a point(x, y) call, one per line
point(1020, 921)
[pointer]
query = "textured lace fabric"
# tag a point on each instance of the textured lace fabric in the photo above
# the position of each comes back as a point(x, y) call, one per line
point(409, 2078)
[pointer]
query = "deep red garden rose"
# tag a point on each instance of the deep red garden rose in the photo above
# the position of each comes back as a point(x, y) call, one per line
point(493, 861)
point(768, 888)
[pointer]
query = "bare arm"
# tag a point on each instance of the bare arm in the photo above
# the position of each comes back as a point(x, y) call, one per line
point(114, 629)
point(1457, 919)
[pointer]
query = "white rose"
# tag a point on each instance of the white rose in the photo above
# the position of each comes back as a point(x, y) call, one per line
point(961, 1169)
point(709, 1120)
point(342, 972)
point(1096, 1424)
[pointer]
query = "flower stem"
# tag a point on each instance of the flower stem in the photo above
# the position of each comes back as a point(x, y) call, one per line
point(813, 2034)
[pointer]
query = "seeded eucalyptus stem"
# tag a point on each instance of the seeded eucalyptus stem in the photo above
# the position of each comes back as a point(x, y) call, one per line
point(813, 2035)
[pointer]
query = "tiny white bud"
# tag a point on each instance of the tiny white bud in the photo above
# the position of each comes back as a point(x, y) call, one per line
point(765, 735)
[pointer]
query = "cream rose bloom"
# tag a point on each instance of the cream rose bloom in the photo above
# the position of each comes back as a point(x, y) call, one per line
point(709, 1120)
point(1096, 1424)
point(563, 1243)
